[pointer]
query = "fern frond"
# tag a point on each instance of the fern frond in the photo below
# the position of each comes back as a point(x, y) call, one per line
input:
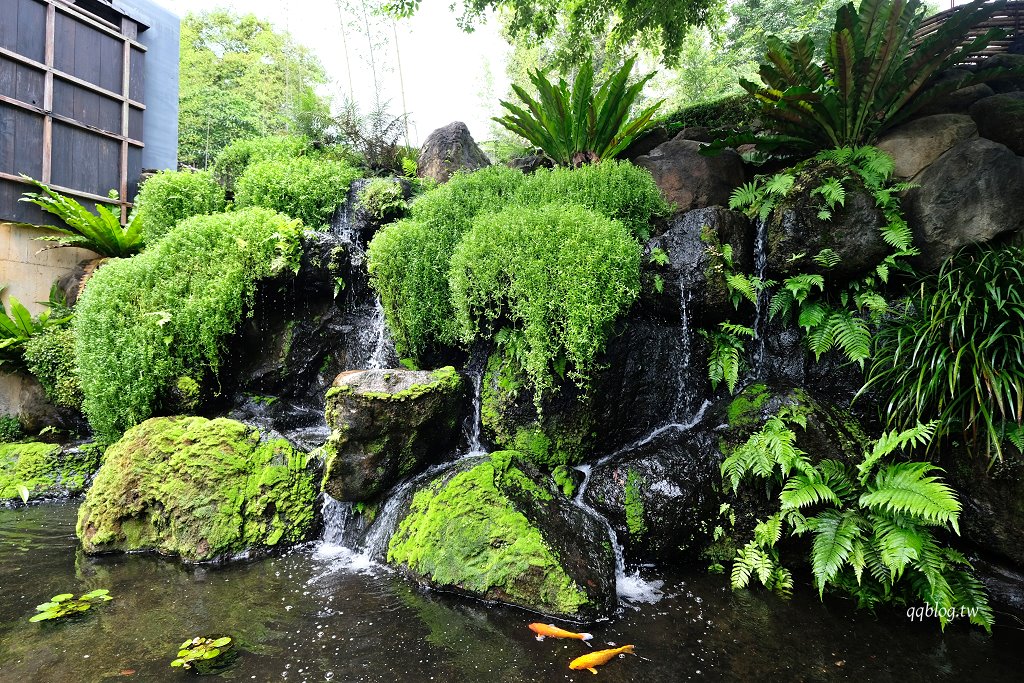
point(834, 534)
point(905, 489)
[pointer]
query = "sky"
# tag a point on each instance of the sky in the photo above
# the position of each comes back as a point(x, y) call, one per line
point(449, 75)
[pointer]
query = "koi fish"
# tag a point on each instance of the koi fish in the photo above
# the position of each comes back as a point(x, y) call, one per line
point(552, 631)
point(595, 659)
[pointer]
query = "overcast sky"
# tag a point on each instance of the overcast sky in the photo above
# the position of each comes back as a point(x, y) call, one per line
point(445, 70)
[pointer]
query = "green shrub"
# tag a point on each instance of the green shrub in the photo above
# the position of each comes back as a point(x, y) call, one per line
point(558, 274)
point(172, 196)
point(18, 327)
point(383, 198)
point(956, 353)
point(10, 429)
point(735, 111)
point(143, 322)
point(409, 260)
point(50, 356)
point(305, 188)
point(240, 154)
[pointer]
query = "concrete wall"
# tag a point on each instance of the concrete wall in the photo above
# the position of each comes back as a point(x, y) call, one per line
point(160, 123)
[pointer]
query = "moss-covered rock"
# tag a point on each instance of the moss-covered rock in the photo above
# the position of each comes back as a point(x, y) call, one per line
point(388, 424)
point(202, 489)
point(45, 470)
point(562, 434)
point(496, 528)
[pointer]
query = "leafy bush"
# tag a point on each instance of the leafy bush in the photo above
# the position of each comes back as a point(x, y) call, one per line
point(409, 259)
point(374, 137)
point(304, 188)
point(735, 111)
point(50, 356)
point(240, 154)
point(558, 274)
point(383, 198)
point(17, 328)
point(872, 525)
point(10, 429)
point(873, 77)
point(172, 196)
point(580, 126)
point(143, 322)
point(956, 352)
point(101, 231)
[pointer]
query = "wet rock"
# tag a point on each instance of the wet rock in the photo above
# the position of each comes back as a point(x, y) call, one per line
point(1013, 82)
point(694, 276)
point(663, 497)
point(1004, 586)
point(647, 141)
point(957, 101)
point(450, 149)
point(1001, 119)
point(971, 194)
point(36, 412)
point(200, 489)
point(495, 528)
point(388, 424)
point(531, 163)
point(690, 180)
point(45, 470)
point(915, 145)
point(366, 219)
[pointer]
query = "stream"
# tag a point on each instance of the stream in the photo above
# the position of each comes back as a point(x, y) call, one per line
point(321, 612)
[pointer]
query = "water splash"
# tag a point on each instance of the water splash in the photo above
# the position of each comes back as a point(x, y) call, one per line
point(761, 304)
point(685, 394)
point(475, 368)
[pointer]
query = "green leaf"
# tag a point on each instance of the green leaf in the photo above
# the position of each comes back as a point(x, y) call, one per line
point(23, 492)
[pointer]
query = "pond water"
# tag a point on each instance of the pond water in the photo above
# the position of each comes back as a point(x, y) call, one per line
point(321, 613)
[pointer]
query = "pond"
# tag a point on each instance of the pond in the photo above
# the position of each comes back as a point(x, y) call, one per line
point(321, 613)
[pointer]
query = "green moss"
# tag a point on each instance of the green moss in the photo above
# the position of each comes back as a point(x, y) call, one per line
point(187, 393)
point(634, 504)
point(508, 476)
point(443, 379)
point(564, 481)
point(44, 468)
point(744, 410)
point(464, 532)
point(198, 488)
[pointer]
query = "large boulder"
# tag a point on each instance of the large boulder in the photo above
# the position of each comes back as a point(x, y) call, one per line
point(690, 180)
point(386, 425)
point(1009, 82)
point(201, 489)
point(971, 194)
point(447, 150)
point(957, 101)
point(1001, 118)
point(495, 528)
point(692, 281)
point(45, 470)
point(915, 145)
point(36, 411)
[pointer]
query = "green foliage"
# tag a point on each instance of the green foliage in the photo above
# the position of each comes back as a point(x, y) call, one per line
point(304, 188)
point(559, 274)
point(580, 126)
point(872, 77)
point(726, 358)
point(232, 161)
point(872, 525)
point(143, 322)
point(200, 649)
point(101, 231)
point(19, 327)
point(734, 111)
point(50, 356)
point(954, 352)
point(409, 260)
point(10, 429)
point(633, 503)
point(383, 198)
point(65, 605)
point(172, 196)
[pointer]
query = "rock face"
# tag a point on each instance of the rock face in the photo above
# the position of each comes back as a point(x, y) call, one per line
point(993, 502)
point(450, 149)
point(38, 412)
point(201, 489)
point(494, 528)
point(915, 145)
point(689, 180)
point(958, 101)
point(46, 470)
point(1001, 119)
point(972, 193)
point(387, 424)
point(693, 279)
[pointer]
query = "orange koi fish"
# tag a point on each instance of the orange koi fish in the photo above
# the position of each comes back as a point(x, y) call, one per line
point(595, 659)
point(551, 631)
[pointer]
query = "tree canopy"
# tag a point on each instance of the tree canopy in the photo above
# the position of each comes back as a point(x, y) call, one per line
point(241, 78)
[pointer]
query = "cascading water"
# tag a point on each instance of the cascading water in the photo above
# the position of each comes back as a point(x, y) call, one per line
point(475, 368)
point(685, 394)
point(761, 305)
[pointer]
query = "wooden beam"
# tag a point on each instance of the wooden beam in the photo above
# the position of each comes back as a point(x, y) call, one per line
point(126, 73)
point(64, 76)
point(78, 14)
point(60, 188)
point(74, 123)
point(51, 17)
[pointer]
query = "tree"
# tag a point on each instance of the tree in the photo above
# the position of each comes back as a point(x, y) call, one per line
point(660, 25)
point(241, 78)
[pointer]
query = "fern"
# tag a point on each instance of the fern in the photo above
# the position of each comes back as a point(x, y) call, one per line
point(725, 359)
point(834, 534)
point(827, 258)
point(832, 191)
point(904, 489)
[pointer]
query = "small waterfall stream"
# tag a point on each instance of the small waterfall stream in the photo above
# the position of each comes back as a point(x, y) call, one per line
point(761, 305)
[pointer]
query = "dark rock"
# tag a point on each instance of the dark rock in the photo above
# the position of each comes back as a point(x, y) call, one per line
point(957, 101)
point(698, 133)
point(1010, 82)
point(694, 274)
point(690, 180)
point(1004, 586)
point(386, 425)
point(971, 194)
point(36, 411)
point(450, 149)
point(796, 234)
point(915, 145)
point(531, 163)
point(1001, 118)
point(647, 141)
point(496, 528)
point(366, 220)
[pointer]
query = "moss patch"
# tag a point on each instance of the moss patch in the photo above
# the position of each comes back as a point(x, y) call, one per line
point(202, 489)
point(44, 469)
point(745, 409)
point(464, 533)
point(634, 504)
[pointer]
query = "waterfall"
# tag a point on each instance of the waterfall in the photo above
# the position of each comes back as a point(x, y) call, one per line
point(337, 517)
point(684, 392)
point(761, 305)
point(475, 368)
